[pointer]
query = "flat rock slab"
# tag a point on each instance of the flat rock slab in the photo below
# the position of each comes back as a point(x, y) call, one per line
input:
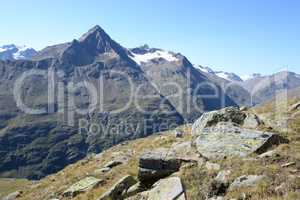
point(118, 191)
point(247, 181)
point(82, 186)
point(227, 140)
point(167, 189)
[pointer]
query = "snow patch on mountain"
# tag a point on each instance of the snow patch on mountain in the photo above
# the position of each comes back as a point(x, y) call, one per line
point(147, 57)
point(204, 69)
point(225, 75)
point(251, 76)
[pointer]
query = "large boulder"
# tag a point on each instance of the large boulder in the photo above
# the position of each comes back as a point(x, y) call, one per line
point(118, 191)
point(82, 186)
point(229, 114)
point(227, 139)
point(166, 189)
point(157, 164)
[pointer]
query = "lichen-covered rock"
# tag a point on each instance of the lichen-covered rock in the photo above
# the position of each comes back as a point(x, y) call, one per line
point(223, 177)
point(118, 191)
point(252, 121)
point(227, 139)
point(229, 114)
point(184, 151)
point(82, 186)
point(247, 181)
point(167, 189)
point(212, 166)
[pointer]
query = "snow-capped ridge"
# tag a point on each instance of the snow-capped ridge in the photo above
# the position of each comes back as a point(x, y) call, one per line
point(145, 54)
point(251, 76)
point(15, 52)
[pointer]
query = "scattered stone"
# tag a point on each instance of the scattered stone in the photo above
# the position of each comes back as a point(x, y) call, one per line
point(82, 186)
point(281, 189)
point(112, 164)
point(184, 151)
point(294, 107)
point(167, 189)
point(269, 154)
point(229, 114)
point(13, 195)
point(212, 166)
point(216, 198)
point(157, 164)
point(227, 139)
point(223, 176)
point(252, 121)
point(118, 191)
point(243, 108)
point(101, 171)
point(133, 190)
point(288, 164)
point(178, 133)
point(246, 181)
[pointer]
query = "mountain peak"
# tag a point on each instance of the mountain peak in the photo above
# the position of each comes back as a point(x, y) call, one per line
point(96, 32)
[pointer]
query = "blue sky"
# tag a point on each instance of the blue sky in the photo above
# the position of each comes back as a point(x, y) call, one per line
point(241, 36)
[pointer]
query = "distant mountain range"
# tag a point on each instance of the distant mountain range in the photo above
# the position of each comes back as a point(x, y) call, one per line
point(167, 85)
point(14, 52)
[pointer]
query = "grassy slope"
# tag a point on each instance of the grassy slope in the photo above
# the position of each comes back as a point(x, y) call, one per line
point(196, 179)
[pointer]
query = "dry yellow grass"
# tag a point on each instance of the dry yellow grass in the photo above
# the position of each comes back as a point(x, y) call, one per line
point(54, 185)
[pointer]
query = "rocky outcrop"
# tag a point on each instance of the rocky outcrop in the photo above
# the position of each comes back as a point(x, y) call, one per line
point(222, 133)
point(227, 139)
point(157, 164)
point(118, 191)
point(230, 114)
point(82, 186)
point(162, 162)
